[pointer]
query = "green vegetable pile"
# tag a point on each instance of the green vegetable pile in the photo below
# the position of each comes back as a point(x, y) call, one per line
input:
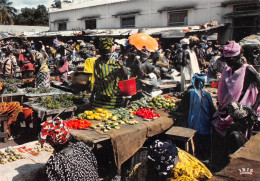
point(38, 90)
point(9, 88)
point(63, 100)
point(11, 81)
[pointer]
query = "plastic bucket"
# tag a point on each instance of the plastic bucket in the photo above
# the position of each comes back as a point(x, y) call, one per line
point(127, 87)
point(214, 84)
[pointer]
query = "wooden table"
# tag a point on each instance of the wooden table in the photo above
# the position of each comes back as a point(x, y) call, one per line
point(42, 114)
point(129, 138)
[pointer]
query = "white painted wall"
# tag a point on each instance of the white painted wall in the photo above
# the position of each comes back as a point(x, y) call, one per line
point(205, 11)
point(17, 29)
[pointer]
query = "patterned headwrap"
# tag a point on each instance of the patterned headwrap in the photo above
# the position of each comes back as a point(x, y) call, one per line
point(233, 49)
point(106, 43)
point(163, 154)
point(55, 130)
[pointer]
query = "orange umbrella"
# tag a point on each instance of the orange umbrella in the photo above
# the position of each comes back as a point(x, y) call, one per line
point(141, 40)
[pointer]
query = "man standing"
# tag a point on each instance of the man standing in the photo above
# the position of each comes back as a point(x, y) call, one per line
point(189, 66)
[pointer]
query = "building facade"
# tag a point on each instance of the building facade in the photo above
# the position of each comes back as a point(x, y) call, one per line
point(113, 14)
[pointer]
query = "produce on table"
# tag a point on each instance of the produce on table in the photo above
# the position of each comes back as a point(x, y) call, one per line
point(166, 102)
point(38, 90)
point(11, 81)
point(78, 124)
point(147, 114)
point(63, 100)
point(111, 119)
point(10, 88)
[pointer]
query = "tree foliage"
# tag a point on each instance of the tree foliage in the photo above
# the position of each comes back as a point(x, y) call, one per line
point(32, 16)
point(56, 4)
point(7, 12)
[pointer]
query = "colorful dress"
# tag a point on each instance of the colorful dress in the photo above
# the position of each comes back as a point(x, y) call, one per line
point(81, 164)
point(106, 89)
point(42, 78)
point(11, 109)
point(230, 90)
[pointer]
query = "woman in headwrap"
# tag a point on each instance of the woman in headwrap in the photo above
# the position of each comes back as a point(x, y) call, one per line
point(42, 78)
point(108, 72)
point(26, 62)
point(70, 161)
point(63, 64)
point(239, 83)
point(172, 163)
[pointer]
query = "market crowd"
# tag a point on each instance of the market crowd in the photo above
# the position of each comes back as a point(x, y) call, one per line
point(192, 61)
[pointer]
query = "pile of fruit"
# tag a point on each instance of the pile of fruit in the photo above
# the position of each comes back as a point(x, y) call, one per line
point(9, 155)
point(110, 119)
point(166, 102)
point(78, 124)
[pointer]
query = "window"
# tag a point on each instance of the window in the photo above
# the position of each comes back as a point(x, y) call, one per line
point(91, 24)
point(127, 22)
point(176, 18)
point(62, 26)
point(246, 8)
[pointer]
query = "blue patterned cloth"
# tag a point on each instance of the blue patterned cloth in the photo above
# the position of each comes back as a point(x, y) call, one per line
point(163, 154)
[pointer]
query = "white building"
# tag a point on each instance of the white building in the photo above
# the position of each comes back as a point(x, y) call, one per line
point(242, 15)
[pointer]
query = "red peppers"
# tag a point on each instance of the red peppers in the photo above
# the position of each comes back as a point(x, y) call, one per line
point(78, 124)
point(147, 113)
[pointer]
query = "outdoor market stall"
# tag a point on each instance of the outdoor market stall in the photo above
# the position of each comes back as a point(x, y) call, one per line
point(129, 138)
point(129, 133)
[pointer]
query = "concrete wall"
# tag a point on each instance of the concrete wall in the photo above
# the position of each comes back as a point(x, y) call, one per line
point(204, 11)
point(16, 29)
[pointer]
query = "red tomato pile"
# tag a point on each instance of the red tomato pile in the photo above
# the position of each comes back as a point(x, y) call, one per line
point(147, 113)
point(78, 124)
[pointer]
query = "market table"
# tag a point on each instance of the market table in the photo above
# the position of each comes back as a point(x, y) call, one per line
point(42, 114)
point(8, 97)
point(129, 138)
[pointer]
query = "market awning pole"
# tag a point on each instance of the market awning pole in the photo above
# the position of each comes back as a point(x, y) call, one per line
point(59, 114)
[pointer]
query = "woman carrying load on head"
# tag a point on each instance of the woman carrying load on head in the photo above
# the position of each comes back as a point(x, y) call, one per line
point(71, 160)
point(108, 72)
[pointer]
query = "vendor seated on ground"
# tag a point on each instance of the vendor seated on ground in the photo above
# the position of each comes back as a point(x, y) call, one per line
point(11, 109)
point(166, 162)
point(164, 63)
point(108, 72)
point(239, 85)
point(71, 160)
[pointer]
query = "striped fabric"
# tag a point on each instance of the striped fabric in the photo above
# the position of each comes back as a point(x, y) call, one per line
point(107, 92)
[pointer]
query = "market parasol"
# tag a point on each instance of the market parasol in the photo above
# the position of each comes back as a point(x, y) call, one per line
point(141, 40)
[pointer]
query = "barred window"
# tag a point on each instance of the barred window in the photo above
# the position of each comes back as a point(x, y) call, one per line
point(91, 24)
point(176, 18)
point(62, 26)
point(127, 22)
